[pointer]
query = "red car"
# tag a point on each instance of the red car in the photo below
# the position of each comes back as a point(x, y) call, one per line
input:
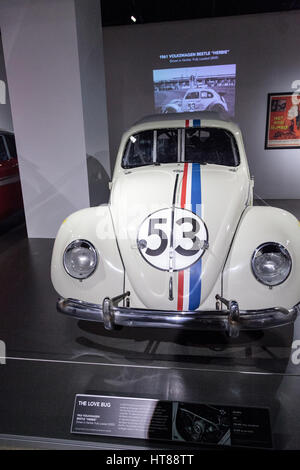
point(11, 201)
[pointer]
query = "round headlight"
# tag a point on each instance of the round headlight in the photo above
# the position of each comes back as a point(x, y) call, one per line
point(271, 264)
point(80, 259)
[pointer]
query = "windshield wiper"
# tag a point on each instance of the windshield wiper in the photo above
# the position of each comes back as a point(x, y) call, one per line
point(128, 167)
point(200, 163)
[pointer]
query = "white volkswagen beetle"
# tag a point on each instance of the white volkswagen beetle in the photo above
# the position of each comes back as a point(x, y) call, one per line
point(197, 99)
point(180, 243)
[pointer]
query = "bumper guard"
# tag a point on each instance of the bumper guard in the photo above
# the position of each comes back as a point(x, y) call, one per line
point(231, 320)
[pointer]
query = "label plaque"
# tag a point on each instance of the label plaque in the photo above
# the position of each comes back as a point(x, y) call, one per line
point(144, 418)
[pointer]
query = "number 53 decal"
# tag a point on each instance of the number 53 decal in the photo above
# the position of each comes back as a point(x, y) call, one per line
point(186, 243)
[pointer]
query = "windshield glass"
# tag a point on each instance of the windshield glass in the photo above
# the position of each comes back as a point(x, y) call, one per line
point(208, 145)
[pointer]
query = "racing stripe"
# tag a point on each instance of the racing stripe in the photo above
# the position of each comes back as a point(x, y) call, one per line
point(189, 280)
point(182, 205)
point(196, 189)
point(192, 123)
point(188, 205)
point(184, 182)
point(180, 290)
point(195, 269)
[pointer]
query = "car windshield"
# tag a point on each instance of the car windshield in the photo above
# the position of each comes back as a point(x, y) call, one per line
point(208, 145)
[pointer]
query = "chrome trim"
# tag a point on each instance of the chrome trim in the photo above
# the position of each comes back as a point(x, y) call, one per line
point(171, 249)
point(283, 249)
point(154, 150)
point(233, 315)
point(107, 314)
point(171, 293)
point(9, 180)
point(230, 321)
point(70, 247)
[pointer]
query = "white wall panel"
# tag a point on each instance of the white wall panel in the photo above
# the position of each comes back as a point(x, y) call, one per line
point(43, 71)
point(5, 113)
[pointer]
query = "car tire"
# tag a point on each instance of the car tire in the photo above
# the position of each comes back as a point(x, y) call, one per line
point(217, 108)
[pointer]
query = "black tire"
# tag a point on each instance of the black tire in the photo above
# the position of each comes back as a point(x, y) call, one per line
point(218, 108)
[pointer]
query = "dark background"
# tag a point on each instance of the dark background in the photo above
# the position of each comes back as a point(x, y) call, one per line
point(119, 12)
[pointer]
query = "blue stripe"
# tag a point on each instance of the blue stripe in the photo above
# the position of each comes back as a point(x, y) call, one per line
point(196, 269)
point(196, 123)
point(196, 189)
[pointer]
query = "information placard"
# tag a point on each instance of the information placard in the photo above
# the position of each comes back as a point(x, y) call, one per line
point(145, 418)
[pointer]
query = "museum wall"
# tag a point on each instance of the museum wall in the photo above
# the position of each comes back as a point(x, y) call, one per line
point(265, 49)
point(5, 112)
point(93, 90)
point(57, 96)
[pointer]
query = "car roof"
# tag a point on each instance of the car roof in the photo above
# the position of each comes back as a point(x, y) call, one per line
point(200, 88)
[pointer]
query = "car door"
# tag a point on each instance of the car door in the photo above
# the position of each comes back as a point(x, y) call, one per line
point(206, 99)
point(191, 101)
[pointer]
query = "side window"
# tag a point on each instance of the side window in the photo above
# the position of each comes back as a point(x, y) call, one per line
point(139, 150)
point(3, 152)
point(167, 145)
point(206, 94)
point(193, 95)
point(10, 140)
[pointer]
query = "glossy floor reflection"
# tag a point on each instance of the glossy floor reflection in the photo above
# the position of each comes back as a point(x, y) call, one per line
point(36, 398)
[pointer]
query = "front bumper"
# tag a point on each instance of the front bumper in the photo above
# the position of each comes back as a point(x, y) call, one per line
point(231, 320)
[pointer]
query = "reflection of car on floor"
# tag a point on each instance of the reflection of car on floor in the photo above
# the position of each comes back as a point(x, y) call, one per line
point(197, 99)
point(203, 424)
point(180, 244)
point(10, 187)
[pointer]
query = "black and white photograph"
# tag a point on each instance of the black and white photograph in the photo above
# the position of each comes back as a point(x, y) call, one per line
point(190, 89)
point(201, 423)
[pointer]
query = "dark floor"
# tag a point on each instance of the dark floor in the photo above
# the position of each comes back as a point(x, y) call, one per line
point(50, 358)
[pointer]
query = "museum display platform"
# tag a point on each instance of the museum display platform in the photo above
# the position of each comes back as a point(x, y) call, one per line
point(50, 358)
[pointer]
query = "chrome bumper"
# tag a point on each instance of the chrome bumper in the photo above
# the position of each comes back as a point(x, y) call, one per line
point(231, 320)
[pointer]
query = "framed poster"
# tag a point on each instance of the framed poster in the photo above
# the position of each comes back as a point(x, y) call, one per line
point(283, 121)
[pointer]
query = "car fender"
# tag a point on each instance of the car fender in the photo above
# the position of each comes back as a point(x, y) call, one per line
point(259, 225)
point(172, 108)
point(218, 103)
point(95, 225)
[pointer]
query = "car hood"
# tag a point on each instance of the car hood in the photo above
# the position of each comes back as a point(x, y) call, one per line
point(217, 194)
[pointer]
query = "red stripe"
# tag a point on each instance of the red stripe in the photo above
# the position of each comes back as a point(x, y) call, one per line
point(180, 290)
point(187, 123)
point(184, 182)
point(181, 273)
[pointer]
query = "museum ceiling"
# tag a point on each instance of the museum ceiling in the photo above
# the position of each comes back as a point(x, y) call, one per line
point(153, 11)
